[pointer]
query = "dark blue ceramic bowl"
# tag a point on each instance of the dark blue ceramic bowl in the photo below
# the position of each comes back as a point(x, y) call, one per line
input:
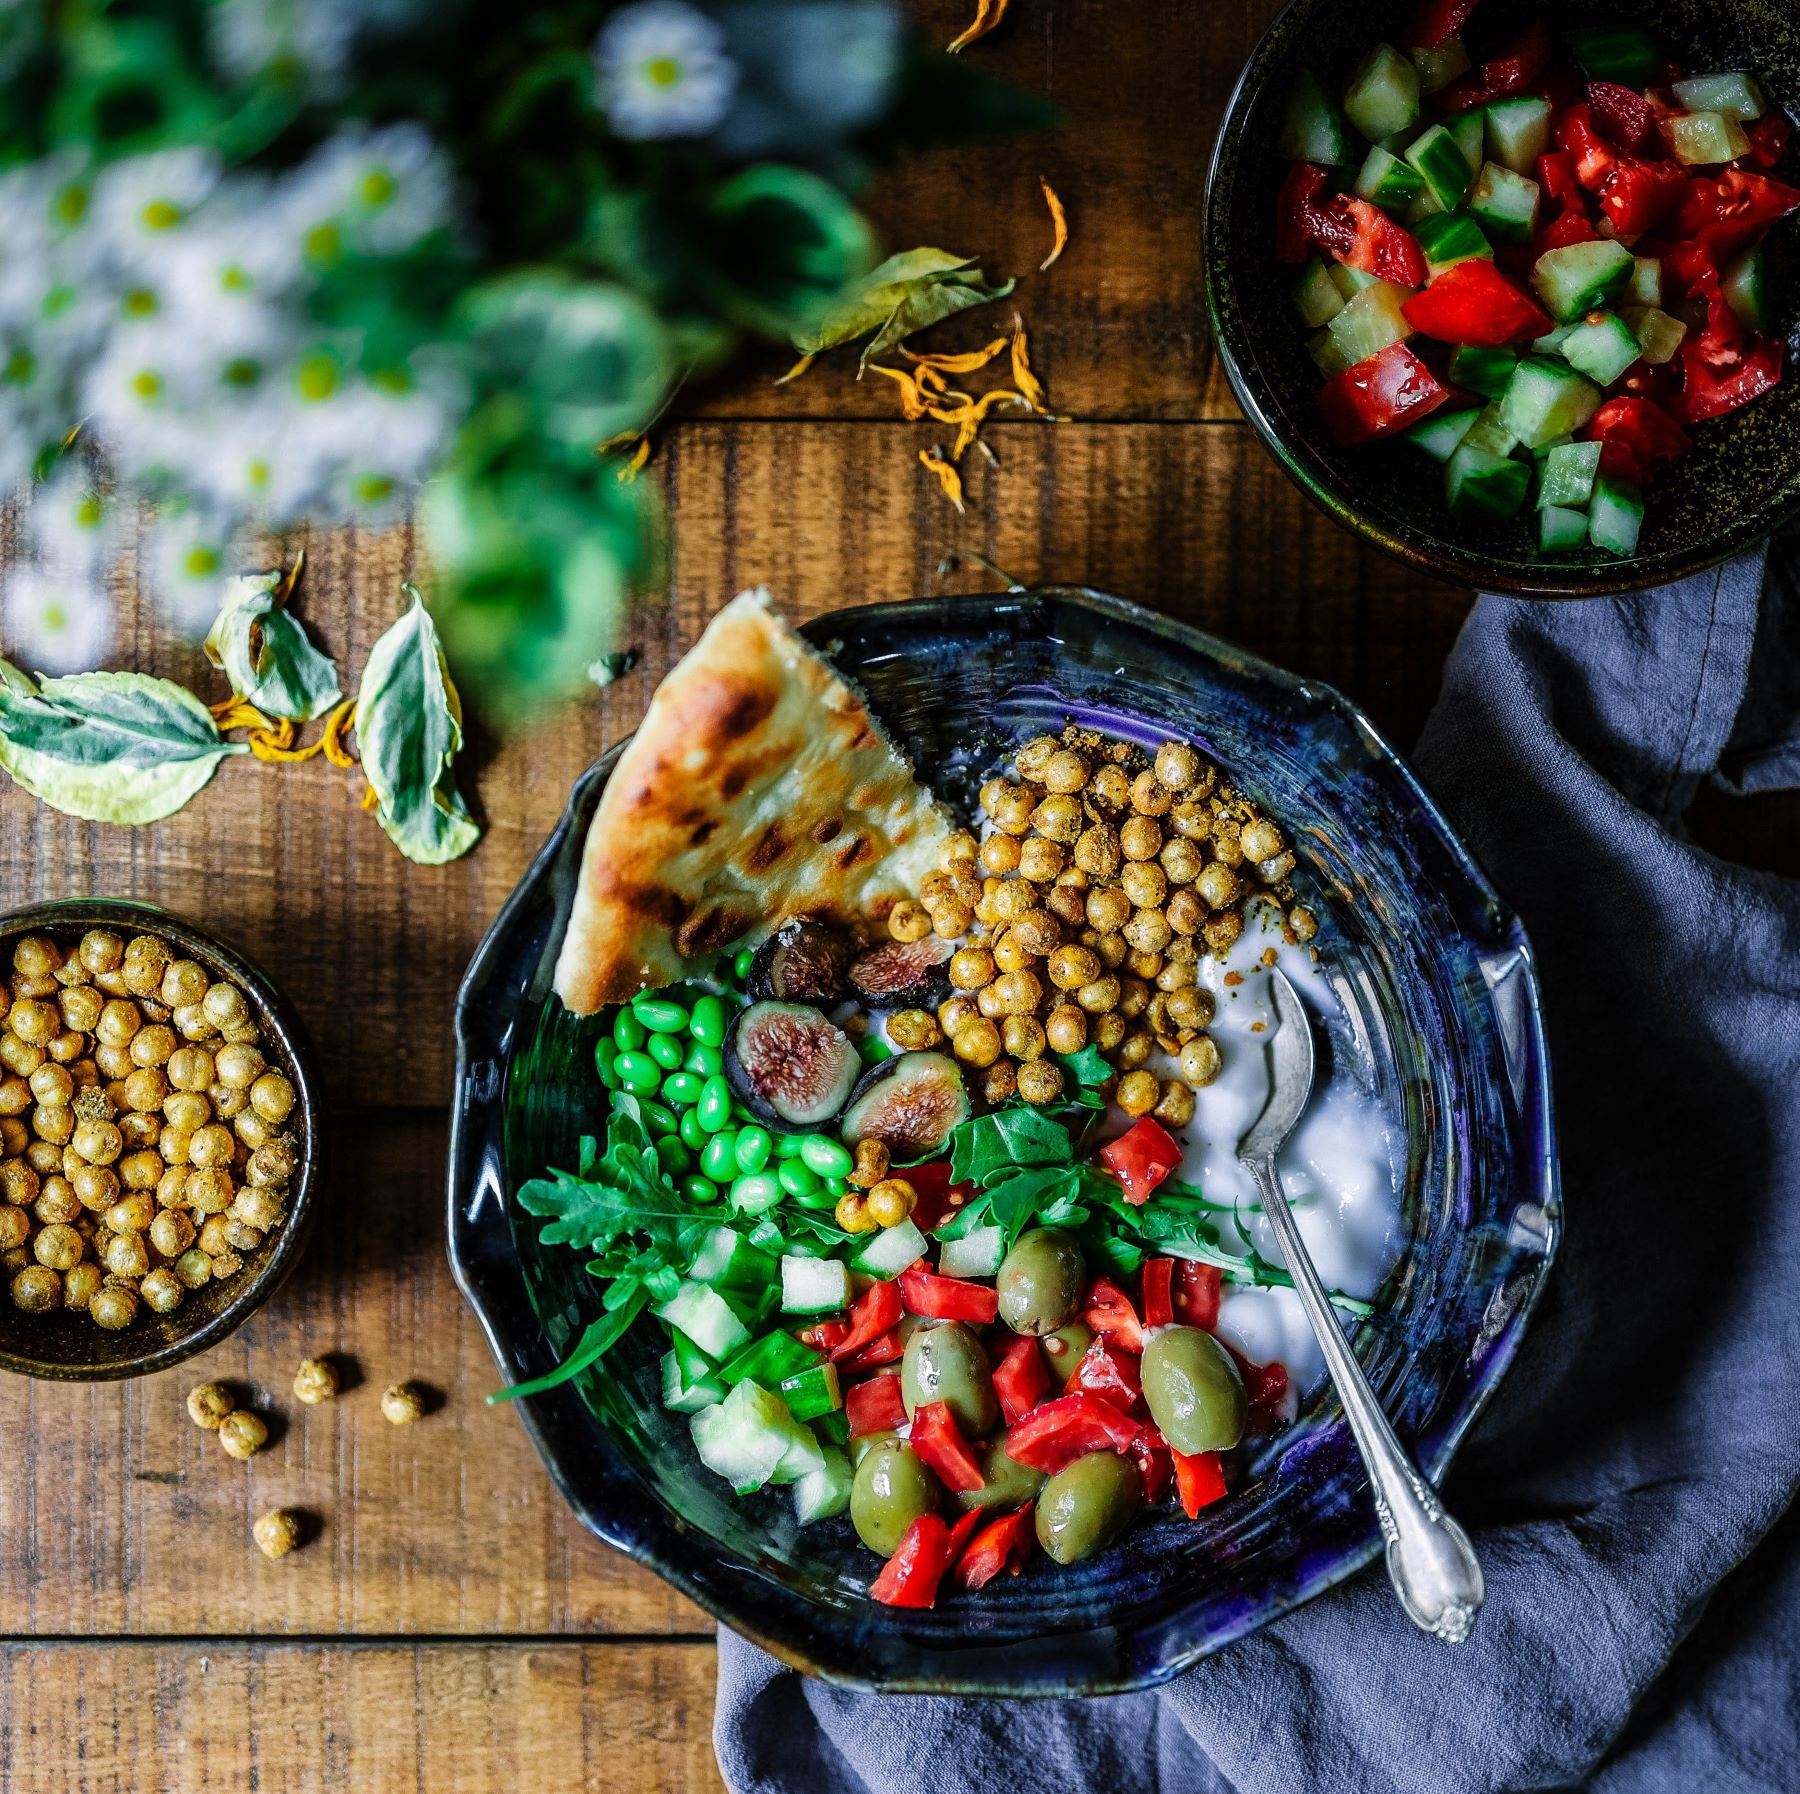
point(1430, 964)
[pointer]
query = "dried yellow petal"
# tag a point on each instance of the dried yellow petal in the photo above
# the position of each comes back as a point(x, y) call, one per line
point(957, 364)
point(271, 747)
point(932, 460)
point(370, 801)
point(332, 741)
point(630, 470)
point(912, 403)
point(1059, 224)
point(988, 14)
point(797, 369)
point(969, 424)
point(1030, 388)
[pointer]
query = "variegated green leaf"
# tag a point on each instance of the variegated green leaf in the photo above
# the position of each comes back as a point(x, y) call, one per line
point(266, 654)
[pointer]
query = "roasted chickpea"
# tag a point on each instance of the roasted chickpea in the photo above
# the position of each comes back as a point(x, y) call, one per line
point(57, 1202)
point(15, 1094)
point(1035, 755)
point(1148, 931)
point(1113, 949)
point(891, 1201)
point(240, 1236)
point(124, 1255)
point(1109, 790)
point(81, 1283)
point(212, 1240)
point(1177, 765)
point(227, 1102)
point(1066, 1028)
point(277, 1532)
point(96, 1187)
point(15, 1136)
point(154, 1045)
point(99, 1142)
point(1098, 851)
point(1019, 993)
point(113, 1307)
point(1150, 796)
point(139, 1169)
point(45, 1156)
point(183, 981)
point(1059, 817)
point(1140, 837)
point(1038, 932)
point(402, 1403)
point(1000, 1082)
point(1067, 902)
point(1218, 885)
point(871, 1165)
point(225, 1005)
point(988, 1002)
point(211, 1145)
point(1134, 997)
point(52, 1084)
point(913, 1029)
point(1108, 909)
point(971, 967)
point(1100, 996)
point(133, 1213)
point(119, 1020)
point(36, 956)
point(173, 1144)
point(187, 1110)
point(1260, 839)
point(1009, 956)
point(109, 1062)
point(1192, 821)
point(954, 1012)
point(1184, 912)
point(1072, 967)
point(273, 1163)
point(190, 1022)
point(81, 1007)
point(15, 1227)
point(145, 1089)
point(1190, 1008)
point(1023, 1036)
point(208, 1190)
point(162, 1290)
point(194, 1268)
point(1227, 845)
point(1064, 772)
point(1222, 932)
point(100, 951)
point(36, 1289)
point(1175, 1108)
point(242, 1433)
point(1040, 1081)
point(258, 1206)
point(1138, 1092)
point(252, 1129)
point(1180, 860)
point(68, 1046)
point(909, 921)
point(1303, 922)
point(951, 921)
point(976, 1042)
point(315, 1381)
point(1040, 859)
point(1108, 1030)
point(226, 1264)
point(1134, 1050)
point(1001, 853)
point(1144, 966)
point(1145, 883)
point(21, 1057)
point(171, 1232)
point(1012, 900)
point(1200, 1061)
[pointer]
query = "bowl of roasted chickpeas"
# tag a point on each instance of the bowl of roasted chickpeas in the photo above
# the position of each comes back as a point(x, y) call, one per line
point(158, 1138)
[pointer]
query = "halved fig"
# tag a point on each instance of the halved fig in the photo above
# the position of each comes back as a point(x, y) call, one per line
point(910, 1103)
point(904, 974)
point(789, 1065)
point(801, 962)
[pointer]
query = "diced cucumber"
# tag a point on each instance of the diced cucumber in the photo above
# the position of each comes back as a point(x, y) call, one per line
point(1506, 204)
point(1386, 181)
point(1316, 295)
point(1439, 160)
point(1566, 477)
point(1733, 96)
point(976, 1254)
point(1580, 276)
point(1744, 289)
point(1560, 530)
point(1553, 339)
point(1439, 434)
point(1544, 448)
point(804, 1453)
point(1490, 432)
point(752, 1306)
point(706, 1318)
point(890, 1251)
point(1449, 238)
point(1602, 346)
point(1609, 54)
point(1312, 126)
point(1383, 95)
point(1546, 398)
point(812, 1392)
point(1426, 204)
point(726, 1257)
point(1703, 139)
point(1328, 358)
point(814, 1285)
point(824, 1493)
point(1350, 281)
point(1518, 131)
point(1485, 371)
point(751, 1439)
point(688, 1391)
point(1480, 485)
point(1371, 321)
point(770, 1360)
point(1470, 131)
point(1658, 334)
point(832, 1429)
point(1615, 516)
point(1645, 285)
point(1438, 68)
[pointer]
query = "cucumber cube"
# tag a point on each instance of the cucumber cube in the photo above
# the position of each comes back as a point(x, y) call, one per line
point(1371, 322)
point(887, 1253)
point(824, 1493)
point(1383, 96)
point(1544, 448)
point(1518, 132)
point(814, 1285)
point(686, 1391)
point(1601, 346)
point(1658, 334)
point(1552, 340)
point(1350, 281)
point(1426, 204)
point(1701, 139)
point(1438, 68)
point(1485, 371)
point(1481, 485)
point(1733, 96)
point(976, 1254)
point(1566, 477)
point(1440, 162)
point(1316, 295)
point(1607, 54)
point(1312, 126)
point(1328, 358)
point(1489, 432)
point(1388, 182)
point(1469, 129)
point(706, 1318)
point(1559, 530)
point(1545, 399)
point(812, 1392)
point(1615, 516)
point(1440, 434)
point(1645, 285)
point(1580, 276)
point(1745, 291)
point(1449, 238)
point(1506, 204)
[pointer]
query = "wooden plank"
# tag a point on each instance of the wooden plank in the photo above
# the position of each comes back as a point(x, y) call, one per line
point(119, 1516)
point(208, 1718)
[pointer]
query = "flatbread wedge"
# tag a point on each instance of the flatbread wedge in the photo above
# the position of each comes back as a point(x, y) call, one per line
point(758, 788)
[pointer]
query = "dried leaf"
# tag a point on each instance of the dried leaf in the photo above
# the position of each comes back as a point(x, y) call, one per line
point(908, 292)
point(932, 460)
point(1059, 224)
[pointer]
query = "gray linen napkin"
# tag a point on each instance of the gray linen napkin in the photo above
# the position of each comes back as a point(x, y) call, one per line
point(1648, 1438)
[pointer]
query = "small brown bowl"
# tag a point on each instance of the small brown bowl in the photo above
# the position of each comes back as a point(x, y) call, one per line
point(67, 1346)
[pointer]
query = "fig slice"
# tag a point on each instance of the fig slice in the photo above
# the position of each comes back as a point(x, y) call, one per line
point(910, 1103)
point(904, 974)
point(790, 1066)
point(801, 962)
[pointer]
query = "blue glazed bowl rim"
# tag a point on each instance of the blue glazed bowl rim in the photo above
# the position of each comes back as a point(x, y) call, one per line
point(622, 1511)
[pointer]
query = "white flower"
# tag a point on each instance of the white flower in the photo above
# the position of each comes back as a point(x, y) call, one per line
point(128, 387)
point(189, 554)
point(663, 70)
point(57, 621)
point(74, 523)
point(140, 204)
point(378, 191)
point(251, 36)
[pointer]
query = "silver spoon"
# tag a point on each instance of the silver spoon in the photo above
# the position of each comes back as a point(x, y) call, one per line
point(1429, 1557)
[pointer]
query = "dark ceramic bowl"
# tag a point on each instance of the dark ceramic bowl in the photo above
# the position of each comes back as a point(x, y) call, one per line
point(69, 1347)
point(1739, 482)
point(1427, 960)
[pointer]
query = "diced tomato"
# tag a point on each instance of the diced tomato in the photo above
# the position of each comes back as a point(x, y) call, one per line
point(885, 1348)
point(1150, 1452)
point(1363, 236)
point(825, 1336)
point(1511, 72)
point(1437, 20)
point(1198, 1293)
point(1199, 1480)
point(1380, 395)
point(1296, 211)
point(943, 1450)
point(949, 1298)
point(911, 1576)
point(1020, 1379)
point(1108, 1371)
point(875, 1406)
point(1141, 1158)
point(1586, 148)
point(1556, 178)
point(1068, 1428)
point(1569, 227)
point(1265, 1389)
point(939, 1198)
point(1768, 139)
point(1711, 388)
point(1109, 1311)
point(1636, 438)
point(876, 1310)
point(1001, 1544)
point(1159, 1280)
point(962, 1530)
point(1637, 195)
point(1730, 212)
point(1625, 119)
point(1656, 382)
point(1473, 302)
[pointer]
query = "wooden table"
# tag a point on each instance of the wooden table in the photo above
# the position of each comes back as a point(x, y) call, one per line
point(451, 1627)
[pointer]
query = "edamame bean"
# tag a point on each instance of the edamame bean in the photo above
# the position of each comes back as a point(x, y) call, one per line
point(715, 1104)
point(681, 1089)
point(707, 1024)
point(718, 1158)
point(823, 1197)
point(797, 1178)
point(693, 1136)
point(661, 1015)
point(704, 1062)
point(665, 1049)
point(740, 967)
point(604, 1064)
point(826, 1157)
point(756, 1193)
point(628, 1031)
point(638, 1072)
point(657, 1120)
point(699, 1189)
point(787, 1146)
point(673, 1156)
point(753, 1149)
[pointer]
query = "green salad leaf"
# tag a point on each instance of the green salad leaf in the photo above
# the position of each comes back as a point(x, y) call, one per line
point(593, 1345)
point(110, 747)
point(408, 728)
point(909, 291)
point(264, 652)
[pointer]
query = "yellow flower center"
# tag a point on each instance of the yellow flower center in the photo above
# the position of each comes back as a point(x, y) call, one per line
point(377, 189)
point(233, 279)
point(161, 214)
point(316, 377)
point(324, 243)
point(70, 205)
point(200, 561)
point(140, 302)
point(147, 384)
point(663, 72)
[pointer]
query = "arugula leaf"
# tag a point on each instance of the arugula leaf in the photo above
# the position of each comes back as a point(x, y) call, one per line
point(1088, 1067)
point(1024, 1196)
point(266, 655)
point(408, 728)
point(909, 291)
point(110, 747)
point(588, 1350)
point(996, 1145)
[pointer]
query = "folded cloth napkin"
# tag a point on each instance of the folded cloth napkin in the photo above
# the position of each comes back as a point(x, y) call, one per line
point(1628, 1487)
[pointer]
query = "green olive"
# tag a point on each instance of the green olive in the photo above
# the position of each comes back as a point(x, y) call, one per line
point(1065, 1348)
point(892, 1489)
point(863, 1443)
point(946, 1364)
point(1087, 1504)
point(1005, 1481)
point(1194, 1391)
point(1040, 1282)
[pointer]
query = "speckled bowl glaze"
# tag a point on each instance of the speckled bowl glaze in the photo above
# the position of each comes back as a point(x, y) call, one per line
point(1741, 479)
point(1428, 962)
